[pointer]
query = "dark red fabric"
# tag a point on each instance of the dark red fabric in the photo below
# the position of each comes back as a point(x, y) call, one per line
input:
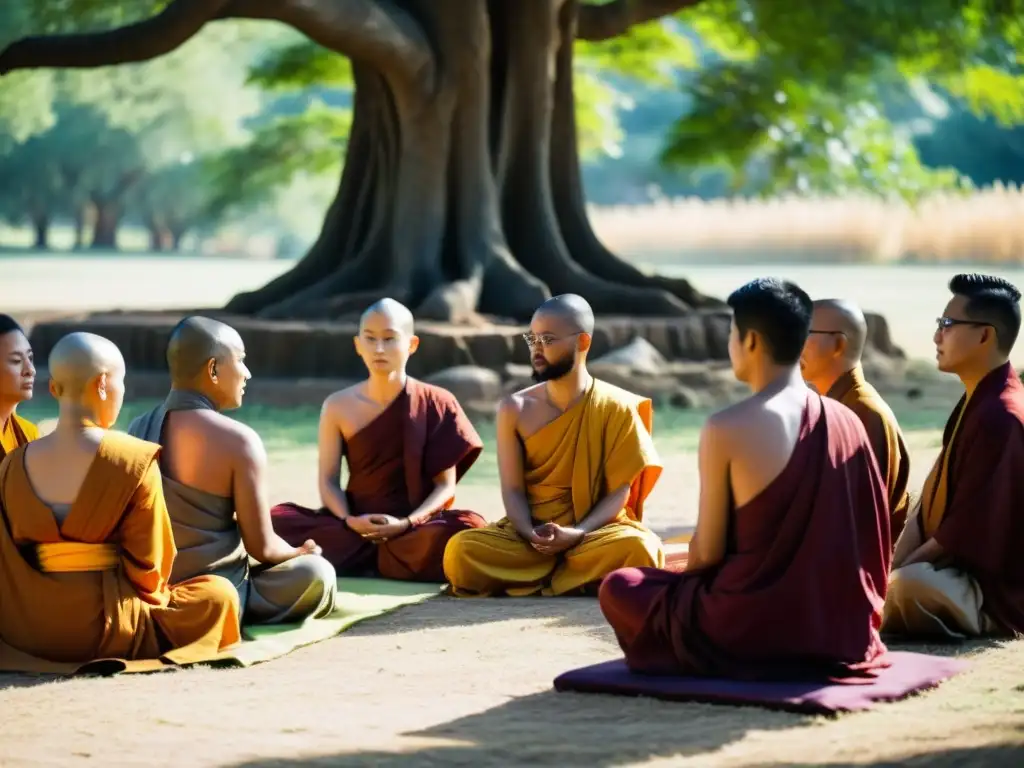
point(800, 590)
point(983, 525)
point(392, 463)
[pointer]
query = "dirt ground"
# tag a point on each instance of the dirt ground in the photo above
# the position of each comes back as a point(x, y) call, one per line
point(468, 682)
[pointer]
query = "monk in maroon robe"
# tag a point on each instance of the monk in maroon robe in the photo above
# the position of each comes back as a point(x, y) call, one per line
point(407, 444)
point(788, 566)
point(958, 566)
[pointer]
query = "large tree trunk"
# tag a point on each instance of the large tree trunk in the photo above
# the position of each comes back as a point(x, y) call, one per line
point(461, 191)
point(468, 197)
point(107, 221)
point(41, 221)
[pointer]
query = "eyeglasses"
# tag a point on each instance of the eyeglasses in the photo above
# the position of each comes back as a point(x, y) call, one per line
point(943, 323)
point(546, 340)
point(827, 333)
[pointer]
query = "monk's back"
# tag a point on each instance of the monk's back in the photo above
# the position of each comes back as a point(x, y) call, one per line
point(198, 446)
point(770, 432)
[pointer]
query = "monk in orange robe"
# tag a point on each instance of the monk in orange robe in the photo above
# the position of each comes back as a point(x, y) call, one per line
point(831, 362)
point(576, 461)
point(407, 445)
point(958, 570)
point(17, 379)
point(85, 541)
point(788, 566)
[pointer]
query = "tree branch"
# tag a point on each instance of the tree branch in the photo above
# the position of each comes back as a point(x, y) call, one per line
point(603, 22)
point(141, 41)
point(376, 31)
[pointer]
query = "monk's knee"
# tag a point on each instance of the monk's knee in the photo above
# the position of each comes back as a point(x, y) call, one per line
point(616, 592)
point(457, 553)
point(314, 569)
point(642, 551)
point(908, 580)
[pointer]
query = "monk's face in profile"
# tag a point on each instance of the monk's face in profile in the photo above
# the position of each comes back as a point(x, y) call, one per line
point(17, 370)
point(741, 352)
point(555, 346)
point(229, 375)
point(823, 350)
point(959, 342)
point(383, 345)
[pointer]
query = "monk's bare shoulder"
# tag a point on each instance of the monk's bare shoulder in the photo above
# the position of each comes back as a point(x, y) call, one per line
point(235, 438)
point(515, 406)
point(342, 402)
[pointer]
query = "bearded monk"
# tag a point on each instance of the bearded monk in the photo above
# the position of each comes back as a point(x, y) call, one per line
point(407, 444)
point(576, 461)
point(214, 472)
point(958, 570)
point(831, 362)
point(86, 545)
point(17, 378)
point(788, 565)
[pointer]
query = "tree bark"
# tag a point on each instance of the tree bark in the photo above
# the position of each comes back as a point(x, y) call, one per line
point(105, 226)
point(461, 190)
point(41, 221)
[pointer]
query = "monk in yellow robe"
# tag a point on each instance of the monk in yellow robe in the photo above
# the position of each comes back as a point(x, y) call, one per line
point(831, 362)
point(17, 379)
point(85, 541)
point(957, 567)
point(576, 461)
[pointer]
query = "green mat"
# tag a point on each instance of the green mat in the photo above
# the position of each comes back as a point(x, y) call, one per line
point(358, 600)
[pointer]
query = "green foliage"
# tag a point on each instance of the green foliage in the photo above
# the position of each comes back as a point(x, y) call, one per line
point(798, 92)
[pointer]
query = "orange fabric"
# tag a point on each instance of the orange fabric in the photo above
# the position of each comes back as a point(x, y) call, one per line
point(934, 495)
point(853, 391)
point(74, 557)
point(15, 433)
point(63, 621)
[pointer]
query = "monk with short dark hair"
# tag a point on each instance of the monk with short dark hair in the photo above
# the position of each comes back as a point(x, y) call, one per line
point(577, 462)
point(215, 476)
point(17, 379)
point(407, 445)
point(958, 570)
point(788, 566)
point(831, 361)
point(85, 540)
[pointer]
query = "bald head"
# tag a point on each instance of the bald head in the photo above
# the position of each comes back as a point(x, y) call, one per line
point(194, 342)
point(570, 308)
point(844, 317)
point(398, 315)
point(78, 358)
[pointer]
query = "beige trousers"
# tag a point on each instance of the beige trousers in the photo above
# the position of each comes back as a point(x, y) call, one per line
point(926, 602)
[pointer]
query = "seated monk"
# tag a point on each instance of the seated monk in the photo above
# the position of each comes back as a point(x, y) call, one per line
point(576, 461)
point(788, 565)
point(214, 472)
point(17, 378)
point(831, 362)
point(85, 542)
point(407, 444)
point(957, 566)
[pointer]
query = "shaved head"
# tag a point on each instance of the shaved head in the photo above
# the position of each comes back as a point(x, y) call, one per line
point(78, 358)
point(571, 308)
point(845, 317)
point(398, 315)
point(194, 342)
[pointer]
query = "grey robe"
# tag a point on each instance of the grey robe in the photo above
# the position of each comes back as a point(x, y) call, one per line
point(209, 541)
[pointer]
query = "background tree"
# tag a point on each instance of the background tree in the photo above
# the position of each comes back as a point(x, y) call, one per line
point(461, 188)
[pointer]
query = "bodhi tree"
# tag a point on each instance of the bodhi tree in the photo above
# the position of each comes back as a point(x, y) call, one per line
point(461, 188)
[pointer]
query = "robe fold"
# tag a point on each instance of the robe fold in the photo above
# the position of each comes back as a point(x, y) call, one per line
point(598, 445)
point(76, 609)
point(853, 391)
point(799, 592)
point(971, 505)
point(15, 433)
point(209, 541)
point(392, 463)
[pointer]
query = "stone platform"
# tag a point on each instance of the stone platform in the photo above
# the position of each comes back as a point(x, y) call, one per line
point(301, 361)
